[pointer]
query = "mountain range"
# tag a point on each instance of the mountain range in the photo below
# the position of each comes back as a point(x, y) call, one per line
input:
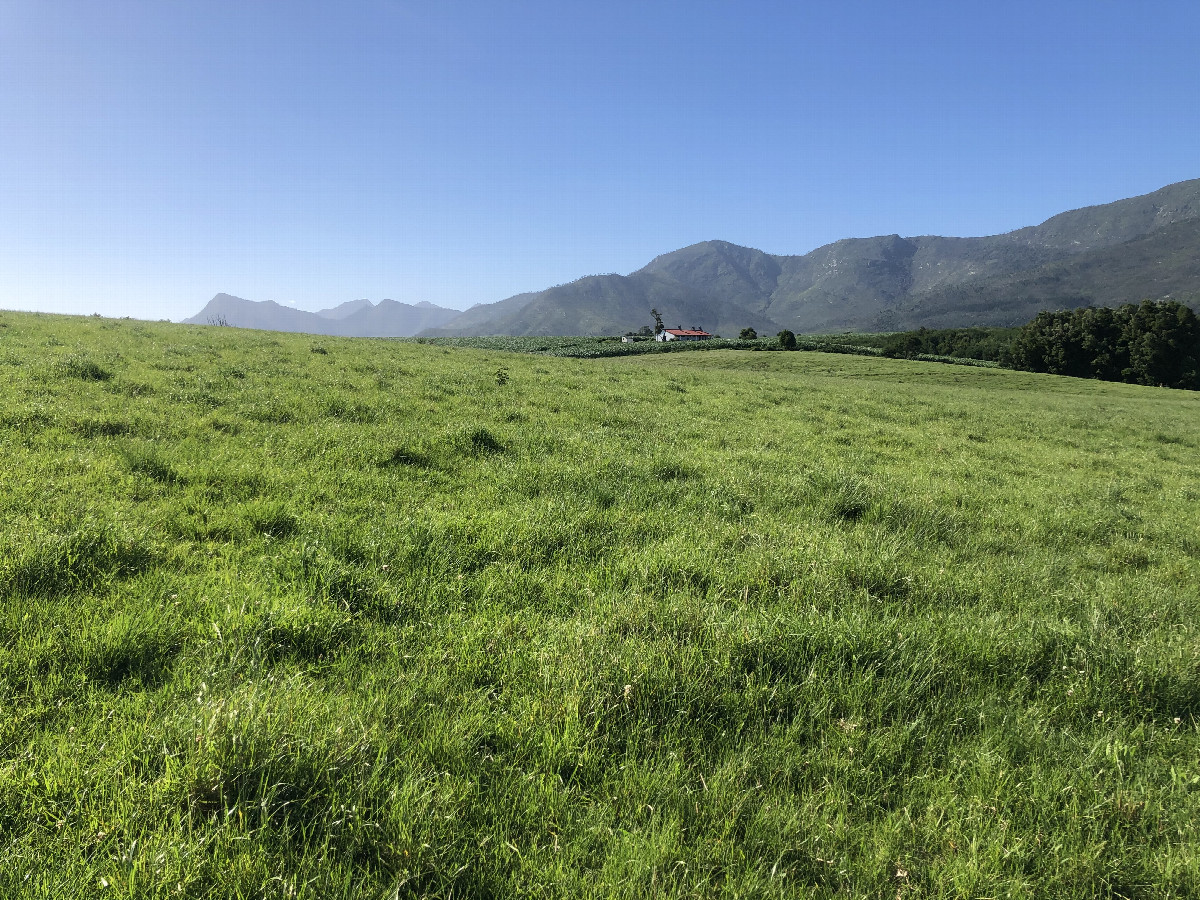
point(1130, 250)
point(355, 318)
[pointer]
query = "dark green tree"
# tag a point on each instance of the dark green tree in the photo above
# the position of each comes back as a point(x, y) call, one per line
point(787, 340)
point(747, 334)
point(1154, 343)
point(1163, 342)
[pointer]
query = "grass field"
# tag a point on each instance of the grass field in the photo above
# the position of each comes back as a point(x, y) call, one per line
point(284, 616)
point(600, 347)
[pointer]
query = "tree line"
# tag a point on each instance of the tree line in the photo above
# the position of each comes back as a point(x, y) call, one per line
point(969, 343)
point(1152, 342)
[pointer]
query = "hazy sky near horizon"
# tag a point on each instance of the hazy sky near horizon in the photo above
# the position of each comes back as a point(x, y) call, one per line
point(153, 154)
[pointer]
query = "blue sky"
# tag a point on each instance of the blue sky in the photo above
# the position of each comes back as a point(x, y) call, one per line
point(155, 153)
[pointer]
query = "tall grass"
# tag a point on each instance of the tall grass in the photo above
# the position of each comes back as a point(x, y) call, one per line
point(376, 622)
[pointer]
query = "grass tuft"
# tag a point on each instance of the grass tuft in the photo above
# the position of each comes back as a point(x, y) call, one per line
point(407, 457)
point(83, 368)
point(133, 650)
point(87, 559)
point(148, 462)
point(844, 498)
point(481, 442)
point(93, 428)
point(272, 519)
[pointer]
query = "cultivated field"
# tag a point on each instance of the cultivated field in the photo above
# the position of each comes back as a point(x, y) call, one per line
point(284, 616)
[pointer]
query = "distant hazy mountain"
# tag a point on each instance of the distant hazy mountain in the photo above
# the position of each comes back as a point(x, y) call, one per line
point(355, 318)
point(1142, 247)
point(349, 308)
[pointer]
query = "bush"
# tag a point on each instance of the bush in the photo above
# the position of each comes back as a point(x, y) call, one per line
point(787, 340)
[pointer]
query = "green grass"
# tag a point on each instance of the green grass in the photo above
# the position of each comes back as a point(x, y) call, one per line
point(602, 347)
point(377, 622)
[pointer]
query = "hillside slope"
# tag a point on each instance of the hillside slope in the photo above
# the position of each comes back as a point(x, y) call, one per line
point(1162, 265)
point(877, 283)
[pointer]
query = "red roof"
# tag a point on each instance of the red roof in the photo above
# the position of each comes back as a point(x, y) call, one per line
point(687, 331)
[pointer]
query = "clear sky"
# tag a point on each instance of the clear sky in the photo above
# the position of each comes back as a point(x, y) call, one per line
point(155, 153)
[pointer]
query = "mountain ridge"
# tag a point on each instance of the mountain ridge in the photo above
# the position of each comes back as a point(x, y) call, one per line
point(868, 284)
point(1142, 247)
point(354, 318)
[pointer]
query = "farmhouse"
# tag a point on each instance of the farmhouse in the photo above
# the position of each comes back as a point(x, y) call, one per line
point(682, 334)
